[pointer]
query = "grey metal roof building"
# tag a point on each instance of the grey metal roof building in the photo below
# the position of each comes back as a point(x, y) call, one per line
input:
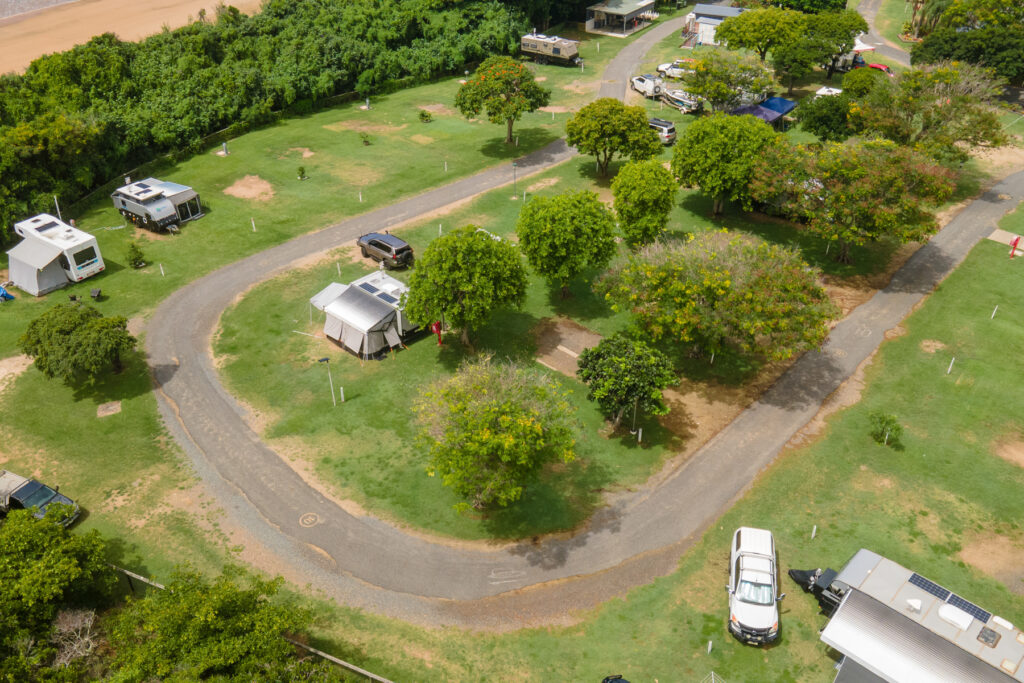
point(895, 625)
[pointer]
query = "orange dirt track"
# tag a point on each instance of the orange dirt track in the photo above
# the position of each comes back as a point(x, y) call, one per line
point(25, 37)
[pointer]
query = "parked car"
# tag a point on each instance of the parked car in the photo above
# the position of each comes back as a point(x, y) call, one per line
point(647, 85)
point(666, 130)
point(677, 69)
point(386, 248)
point(884, 69)
point(753, 587)
point(19, 493)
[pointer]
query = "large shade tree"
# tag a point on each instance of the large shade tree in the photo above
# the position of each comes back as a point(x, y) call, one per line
point(855, 194)
point(836, 34)
point(606, 128)
point(565, 234)
point(464, 276)
point(504, 89)
point(644, 192)
point(720, 292)
point(717, 154)
point(624, 373)
point(942, 109)
point(761, 30)
point(76, 343)
point(491, 427)
point(724, 79)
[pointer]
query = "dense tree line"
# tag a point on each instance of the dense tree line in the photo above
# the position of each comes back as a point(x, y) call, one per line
point(1000, 48)
point(78, 118)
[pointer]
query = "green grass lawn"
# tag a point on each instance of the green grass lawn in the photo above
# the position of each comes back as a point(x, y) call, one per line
point(889, 21)
point(944, 492)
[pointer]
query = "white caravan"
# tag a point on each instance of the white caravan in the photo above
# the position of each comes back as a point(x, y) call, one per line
point(52, 254)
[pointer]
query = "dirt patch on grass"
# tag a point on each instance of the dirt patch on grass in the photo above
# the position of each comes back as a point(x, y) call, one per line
point(141, 234)
point(364, 126)
point(251, 187)
point(1000, 557)
point(421, 139)
point(931, 345)
point(1012, 451)
point(360, 175)
point(555, 109)
point(845, 396)
point(108, 408)
point(581, 87)
point(543, 184)
point(895, 332)
point(306, 152)
point(438, 109)
point(1002, 160)
point(11, 367)
point(560, 342)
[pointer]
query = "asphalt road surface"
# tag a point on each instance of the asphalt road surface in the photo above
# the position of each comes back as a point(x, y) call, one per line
point(366, 563)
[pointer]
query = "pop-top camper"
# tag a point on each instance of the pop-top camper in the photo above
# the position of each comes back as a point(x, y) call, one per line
point(544, 49)
point(157, 205)
point(51, 255)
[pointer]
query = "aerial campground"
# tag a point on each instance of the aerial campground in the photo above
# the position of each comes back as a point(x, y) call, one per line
point(597, 341)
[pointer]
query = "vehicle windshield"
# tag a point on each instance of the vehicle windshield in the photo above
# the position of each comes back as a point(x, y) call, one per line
point(38, 498)
point(755, 593)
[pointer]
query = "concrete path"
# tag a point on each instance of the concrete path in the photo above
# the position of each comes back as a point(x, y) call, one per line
point(883, 46)
point(365, 563)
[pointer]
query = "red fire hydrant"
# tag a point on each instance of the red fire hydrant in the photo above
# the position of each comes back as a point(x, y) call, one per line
point(435, 327)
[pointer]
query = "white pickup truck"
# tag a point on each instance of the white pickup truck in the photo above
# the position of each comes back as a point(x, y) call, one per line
point(753, 587)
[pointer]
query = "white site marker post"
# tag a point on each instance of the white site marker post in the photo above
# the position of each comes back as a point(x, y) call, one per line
point(446, 166)
point(161, 270)
point(253, 221)
point(950, 368)
point(994, 312)
point(438, 229)
point(338, 263)
point(360, 196)
point(709, 647)
point(814, 532)
point(341, 390)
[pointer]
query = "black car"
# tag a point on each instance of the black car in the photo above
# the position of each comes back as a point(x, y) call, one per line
point(386, 248)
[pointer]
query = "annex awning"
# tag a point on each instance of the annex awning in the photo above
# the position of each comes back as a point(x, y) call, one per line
point(779, 104)
point(766, 115)
point(35, 254)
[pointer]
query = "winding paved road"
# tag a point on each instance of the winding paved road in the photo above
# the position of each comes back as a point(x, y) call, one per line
point(366, 563)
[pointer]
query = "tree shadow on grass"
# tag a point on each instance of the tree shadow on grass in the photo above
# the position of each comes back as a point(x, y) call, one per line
point(507, 335)
point(561, 498)
point(530, 139)
point(131, 382)
point(582, 303)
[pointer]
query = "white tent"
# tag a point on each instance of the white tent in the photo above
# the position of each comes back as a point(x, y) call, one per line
point(366, 315)
point(35, 267)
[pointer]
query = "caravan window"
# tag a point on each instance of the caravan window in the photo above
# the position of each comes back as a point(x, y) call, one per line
point(87, 255)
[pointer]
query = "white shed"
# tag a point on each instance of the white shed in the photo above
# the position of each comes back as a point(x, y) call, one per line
point(365, 316)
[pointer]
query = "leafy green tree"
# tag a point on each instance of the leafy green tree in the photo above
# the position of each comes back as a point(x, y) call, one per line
point(943, 110)
point(761, 30)
point(725, 78)
point(565, 234)
point(644, 192)
point(75, 342)
point(229, 628)
point(492, 427)
point(813, 6)
point(828, 117)
point(134, 255)
point(984, 13)
point(503, 88)
point(464, 276)
point(717, 154)
point(835, 33)
point(624, 373)
point(855, 194)
point(1001, 48)
point(606, 127)
point(43, 568)
point(859, 82)
point(722, 292)
point(795, 59)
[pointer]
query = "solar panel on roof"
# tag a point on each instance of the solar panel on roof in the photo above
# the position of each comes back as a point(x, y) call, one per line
point(144, 186)
point(368, 287)
point(929, 587)
point(969, 607)
point(387, 297)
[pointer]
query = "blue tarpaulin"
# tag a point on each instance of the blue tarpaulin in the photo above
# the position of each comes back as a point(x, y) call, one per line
point(779, 104)
point(766, 115)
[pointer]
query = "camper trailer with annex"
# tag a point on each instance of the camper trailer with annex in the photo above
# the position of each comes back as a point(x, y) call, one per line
point(51, 255)
point(157, 205)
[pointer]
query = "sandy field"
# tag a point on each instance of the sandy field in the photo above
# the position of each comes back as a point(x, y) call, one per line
point(25, 37)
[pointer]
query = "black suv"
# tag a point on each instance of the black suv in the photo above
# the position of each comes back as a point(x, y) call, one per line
point(386, 248)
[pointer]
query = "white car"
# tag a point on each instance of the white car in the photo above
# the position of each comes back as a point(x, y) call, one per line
point(753, 587)
point(647, 85)
point(676, 69)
